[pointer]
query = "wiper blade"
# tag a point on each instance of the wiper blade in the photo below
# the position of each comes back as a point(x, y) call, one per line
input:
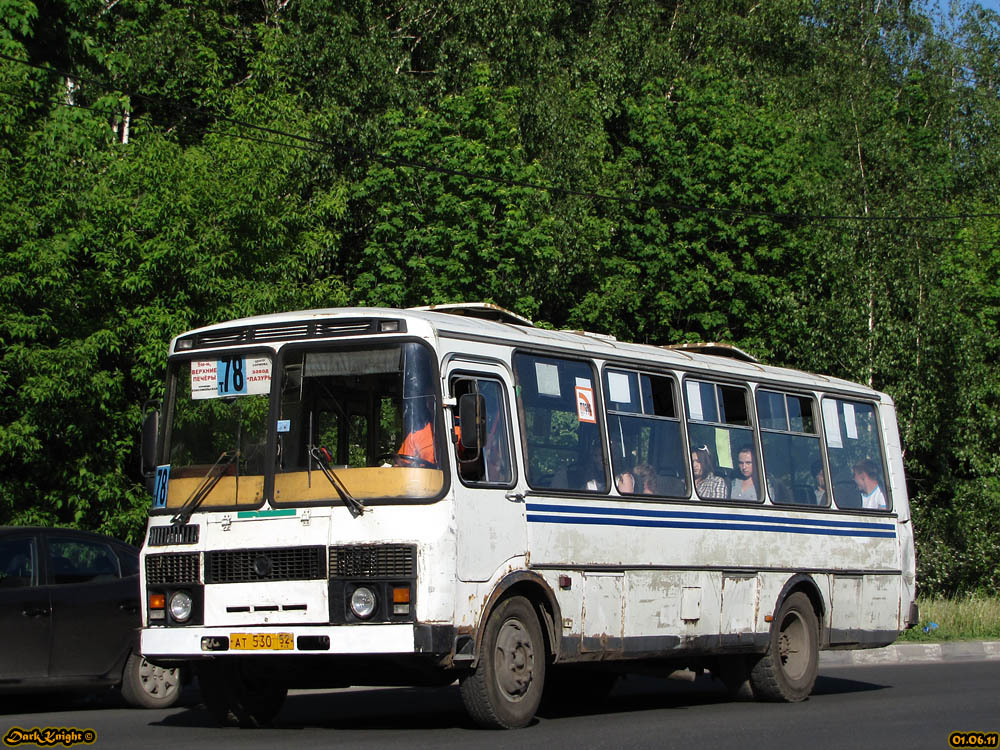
point(355, 506)
point(202, 491)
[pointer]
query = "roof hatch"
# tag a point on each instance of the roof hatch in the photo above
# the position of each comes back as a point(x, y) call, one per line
point(715, 349)
point(481, 310)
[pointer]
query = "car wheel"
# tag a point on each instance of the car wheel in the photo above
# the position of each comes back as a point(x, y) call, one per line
point(145, 685)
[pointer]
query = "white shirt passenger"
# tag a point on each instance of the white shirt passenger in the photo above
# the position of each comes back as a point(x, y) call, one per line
point(874, 500)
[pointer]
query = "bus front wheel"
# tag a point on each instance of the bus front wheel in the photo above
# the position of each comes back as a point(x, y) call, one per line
point(787, 672)
point(504, 690)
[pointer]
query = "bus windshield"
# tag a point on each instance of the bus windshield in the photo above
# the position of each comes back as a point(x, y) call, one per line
point(367, 415)
point(217, 430)
point(354, 422)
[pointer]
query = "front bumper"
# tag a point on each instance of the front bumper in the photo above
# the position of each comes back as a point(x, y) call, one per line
point(191, 643)
point(188, 644)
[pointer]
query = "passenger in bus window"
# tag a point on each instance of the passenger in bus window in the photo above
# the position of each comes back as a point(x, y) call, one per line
point(625, 482)
point(586, 471)
point(640, 481)
point(706, 483)
point(820, 491)
point(745, 486)
point(866, 478)
point(645, 479)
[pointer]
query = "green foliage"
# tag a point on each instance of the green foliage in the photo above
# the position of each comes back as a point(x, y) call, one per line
point(970, 617)
point(718, 127)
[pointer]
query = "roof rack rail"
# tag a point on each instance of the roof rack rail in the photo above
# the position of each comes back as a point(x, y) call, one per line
point(592, 334)
point(715, 349)
point(481, 310)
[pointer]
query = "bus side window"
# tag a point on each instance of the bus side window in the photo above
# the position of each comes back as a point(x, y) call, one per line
point(793, 466)
point(563, 446)
point(854, 452)
point(647, 451)
point(720, 432)
point(491, 465)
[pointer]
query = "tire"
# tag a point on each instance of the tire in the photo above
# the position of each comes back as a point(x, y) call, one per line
point(787, 672)
point(575, 689)
point(504, 690)
point(237, 699)
point(146, 685)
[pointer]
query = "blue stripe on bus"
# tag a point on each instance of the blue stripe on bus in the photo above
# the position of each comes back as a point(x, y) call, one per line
point(698, 515)
point(705, 525)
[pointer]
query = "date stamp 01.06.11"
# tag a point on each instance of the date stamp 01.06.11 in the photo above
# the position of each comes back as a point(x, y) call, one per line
point(974, 739)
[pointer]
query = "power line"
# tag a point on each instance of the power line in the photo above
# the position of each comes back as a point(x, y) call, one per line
point(855, 231)
point(324, 146)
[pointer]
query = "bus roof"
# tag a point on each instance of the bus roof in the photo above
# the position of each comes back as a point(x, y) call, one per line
point(491, 323)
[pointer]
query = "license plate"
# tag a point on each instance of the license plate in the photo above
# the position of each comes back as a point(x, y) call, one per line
point(261, 641)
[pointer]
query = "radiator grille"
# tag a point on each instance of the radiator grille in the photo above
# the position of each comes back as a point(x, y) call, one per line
point(373, 561)
point(268, 564)
point(172, 567)
point(160, 536)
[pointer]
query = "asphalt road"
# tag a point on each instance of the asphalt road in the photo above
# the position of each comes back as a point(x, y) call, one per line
point(881, 706)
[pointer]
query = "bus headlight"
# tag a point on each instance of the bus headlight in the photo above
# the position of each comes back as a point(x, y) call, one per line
point(180, 606)
point(363, 602)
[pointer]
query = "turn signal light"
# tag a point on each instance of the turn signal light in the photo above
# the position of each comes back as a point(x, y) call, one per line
point(157, 607)
point(401, 600)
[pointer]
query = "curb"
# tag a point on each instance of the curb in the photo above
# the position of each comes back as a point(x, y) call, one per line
point(914, 653)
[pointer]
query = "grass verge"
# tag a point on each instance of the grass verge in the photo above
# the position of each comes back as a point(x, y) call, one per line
point(969, 618)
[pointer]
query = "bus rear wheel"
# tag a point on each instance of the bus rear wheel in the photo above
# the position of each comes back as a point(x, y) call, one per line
point(504, 690)
point(787, 672)
point(235, 698)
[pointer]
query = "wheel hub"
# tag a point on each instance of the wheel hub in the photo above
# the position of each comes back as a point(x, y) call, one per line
point(792, 647)
point(156, 680)
point(515, 659)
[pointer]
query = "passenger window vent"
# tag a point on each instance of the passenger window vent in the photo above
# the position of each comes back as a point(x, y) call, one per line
point(221, 338)
point(280, 333)
point(344, 328)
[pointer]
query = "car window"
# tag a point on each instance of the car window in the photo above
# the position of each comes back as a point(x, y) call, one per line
point(17, 563)
point(129, 562)
point(81, 561)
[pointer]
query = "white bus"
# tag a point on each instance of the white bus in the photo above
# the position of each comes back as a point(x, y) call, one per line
point(408, 497)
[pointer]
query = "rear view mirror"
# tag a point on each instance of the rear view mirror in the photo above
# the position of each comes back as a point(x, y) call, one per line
point(150, 432)
point(472, 417)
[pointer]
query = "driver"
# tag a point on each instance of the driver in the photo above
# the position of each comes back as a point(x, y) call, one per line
point(419, 442)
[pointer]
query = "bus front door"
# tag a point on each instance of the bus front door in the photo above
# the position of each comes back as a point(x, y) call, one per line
point(489, 503)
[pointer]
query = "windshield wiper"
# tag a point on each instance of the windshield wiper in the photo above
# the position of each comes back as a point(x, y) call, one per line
point(202, 491)
point(355, 506)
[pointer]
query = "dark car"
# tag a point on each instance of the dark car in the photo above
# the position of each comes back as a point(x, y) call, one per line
point(69, 617)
